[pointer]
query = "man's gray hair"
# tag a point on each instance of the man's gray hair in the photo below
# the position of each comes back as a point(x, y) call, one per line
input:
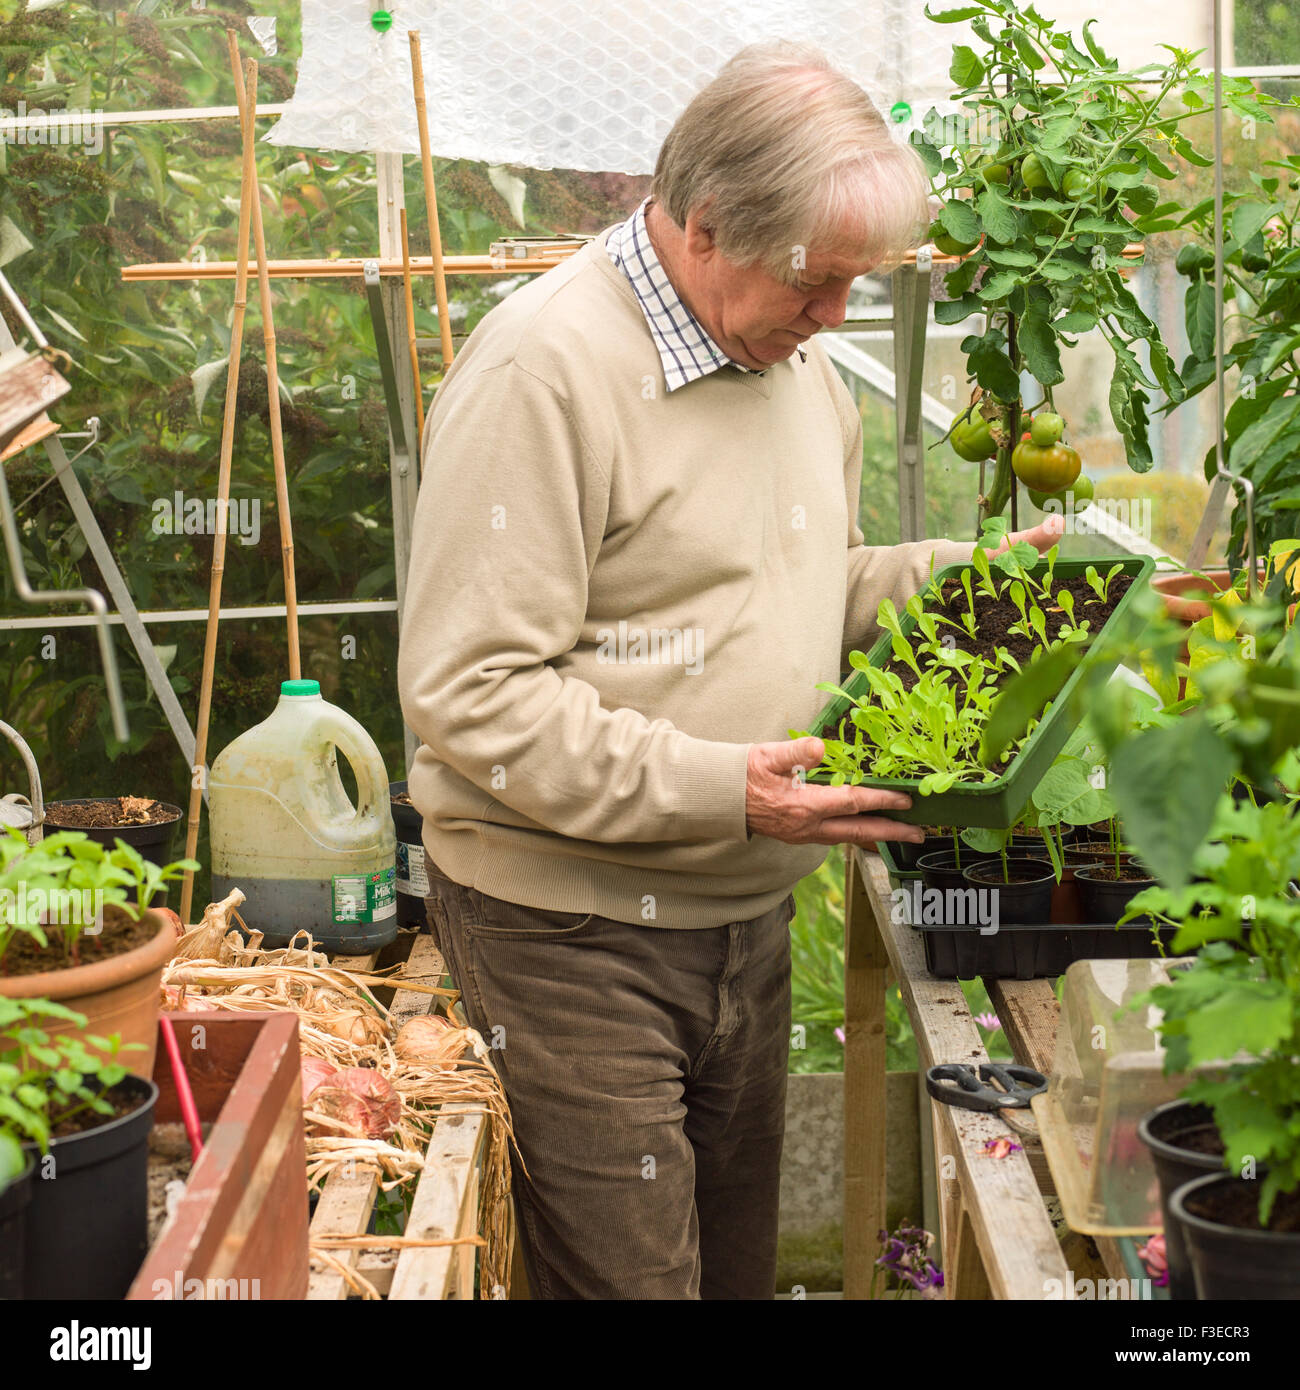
point(782, 151)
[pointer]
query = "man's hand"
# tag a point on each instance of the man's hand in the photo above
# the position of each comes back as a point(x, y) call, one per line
point(780, 805)
point(1042, 537)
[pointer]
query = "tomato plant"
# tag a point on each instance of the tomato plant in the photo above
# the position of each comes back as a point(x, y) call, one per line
point(1085, 146)
point(1262, 286)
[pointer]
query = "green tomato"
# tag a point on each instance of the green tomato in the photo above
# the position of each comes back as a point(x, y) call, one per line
point(1033, 174)
point(1075, 185)
point(1076, 497)
point(947, 243)
point(995, 172)
point(972, 439)
point(1046, 429)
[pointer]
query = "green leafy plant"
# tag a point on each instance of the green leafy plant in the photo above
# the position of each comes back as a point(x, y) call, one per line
point(1240, 998)
point(67, 879)
point(928, 718)
point(1262, 340)
point(48, 1078)
point(1049, 174)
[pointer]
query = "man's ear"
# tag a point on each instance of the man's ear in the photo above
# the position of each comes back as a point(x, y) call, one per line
point(698, 235)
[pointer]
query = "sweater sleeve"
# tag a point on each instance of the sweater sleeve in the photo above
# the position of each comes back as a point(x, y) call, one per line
point(878, 572)
point(510, 517)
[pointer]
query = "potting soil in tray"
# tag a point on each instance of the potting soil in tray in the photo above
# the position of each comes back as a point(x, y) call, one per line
point(993, 616)
point(121, 934)
point(1015, 952)
point(992, 619)
point(123, 1098)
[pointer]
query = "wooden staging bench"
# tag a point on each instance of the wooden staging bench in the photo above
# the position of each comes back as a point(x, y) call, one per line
point(997, 1237)
point(446, 1194)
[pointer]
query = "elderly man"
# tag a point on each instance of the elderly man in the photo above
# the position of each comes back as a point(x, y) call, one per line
point(635, 554)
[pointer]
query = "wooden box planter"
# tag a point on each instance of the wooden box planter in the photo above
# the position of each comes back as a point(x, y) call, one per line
point(243, 1218)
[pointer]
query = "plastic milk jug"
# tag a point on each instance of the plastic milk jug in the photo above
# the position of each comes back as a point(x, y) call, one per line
point(285, 833)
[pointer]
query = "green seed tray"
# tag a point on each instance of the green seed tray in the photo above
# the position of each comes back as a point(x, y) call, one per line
point(996, 805)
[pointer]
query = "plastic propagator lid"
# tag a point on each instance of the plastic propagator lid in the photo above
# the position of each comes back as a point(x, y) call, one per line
point(300, 687)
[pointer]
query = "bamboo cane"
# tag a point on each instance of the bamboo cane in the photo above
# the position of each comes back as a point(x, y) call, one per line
point(410, 334)
point(199, 779)
point(272, 383)
point(430, 198)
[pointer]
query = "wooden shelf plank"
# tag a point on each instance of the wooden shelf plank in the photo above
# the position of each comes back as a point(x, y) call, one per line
point(1000, 1197)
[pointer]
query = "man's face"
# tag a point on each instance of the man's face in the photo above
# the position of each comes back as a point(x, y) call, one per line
point(757, 319)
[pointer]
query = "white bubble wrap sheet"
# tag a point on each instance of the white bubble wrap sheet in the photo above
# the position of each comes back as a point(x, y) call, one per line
point(571, 84)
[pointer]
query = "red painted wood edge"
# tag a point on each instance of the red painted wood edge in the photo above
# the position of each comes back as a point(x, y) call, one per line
point(244, 1213)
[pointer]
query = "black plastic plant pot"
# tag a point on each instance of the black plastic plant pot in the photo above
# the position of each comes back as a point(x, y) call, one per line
point(1036, 845)
point(1167, 1131)
point(905, 853)
point(940, 869)
point(1027, 899)
point(153, 841)
point(1105, 899)
point(412, 874)
point(88, 1222)
point(1234, 1262)
point(15, 1197)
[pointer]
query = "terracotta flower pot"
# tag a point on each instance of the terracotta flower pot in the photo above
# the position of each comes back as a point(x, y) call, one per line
point(117, 995)
point(1187, 596)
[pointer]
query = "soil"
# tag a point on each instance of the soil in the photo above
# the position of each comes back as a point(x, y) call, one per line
point(169, 1162)
point(1237, 1204)
point(121, 934)
point(993, 616)
point(124, 1098)
point(1200, 1139)
point(1128, 873)
point(111, 811)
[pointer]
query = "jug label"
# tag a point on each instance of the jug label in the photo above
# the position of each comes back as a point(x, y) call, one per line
point(412, 876)
point(364, 897)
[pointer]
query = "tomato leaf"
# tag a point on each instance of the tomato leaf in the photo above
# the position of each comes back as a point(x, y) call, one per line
point(1038, 346)
point(966, 70)
point(987, 358)
point(1000, 219)
point(958, 219)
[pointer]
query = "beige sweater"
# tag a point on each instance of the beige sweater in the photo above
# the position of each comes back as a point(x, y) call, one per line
point(613, 592)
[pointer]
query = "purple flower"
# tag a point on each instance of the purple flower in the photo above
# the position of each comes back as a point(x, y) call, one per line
point(988, 1021)
point(904, 1255)
point(839, 1033)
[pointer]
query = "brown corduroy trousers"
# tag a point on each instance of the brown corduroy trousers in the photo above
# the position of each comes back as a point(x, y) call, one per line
point(645, 1069)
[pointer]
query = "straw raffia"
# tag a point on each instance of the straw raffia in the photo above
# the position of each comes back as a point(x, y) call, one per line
point(341, 1021)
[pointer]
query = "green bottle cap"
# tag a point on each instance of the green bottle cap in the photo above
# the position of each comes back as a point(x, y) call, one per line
point(381, 20)
point(300, 687)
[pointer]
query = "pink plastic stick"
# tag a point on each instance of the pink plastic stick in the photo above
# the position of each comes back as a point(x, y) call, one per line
point(189, 1111)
